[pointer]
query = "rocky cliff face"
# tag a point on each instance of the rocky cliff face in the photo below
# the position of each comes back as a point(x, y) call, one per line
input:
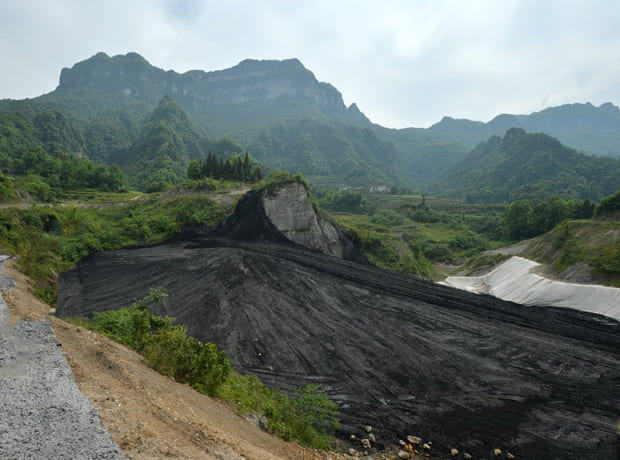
point(290, 210)
point(249, 82)
point(285, 213)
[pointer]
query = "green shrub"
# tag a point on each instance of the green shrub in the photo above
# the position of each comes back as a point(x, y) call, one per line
point(306, 416)
point(346, 201)
point(35, 185)
point(166, 346)
point(607, 260)
point(277, 179)
point(7, 189)
point(386, 217)
point(571, 252)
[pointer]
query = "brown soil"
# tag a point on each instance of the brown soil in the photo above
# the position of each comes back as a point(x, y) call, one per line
point(149, 415)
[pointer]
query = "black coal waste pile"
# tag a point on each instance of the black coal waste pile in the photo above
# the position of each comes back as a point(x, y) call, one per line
point(404, 355)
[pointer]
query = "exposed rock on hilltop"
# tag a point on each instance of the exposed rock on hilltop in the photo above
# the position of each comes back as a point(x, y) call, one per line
point(249, 82)
point(285, 212)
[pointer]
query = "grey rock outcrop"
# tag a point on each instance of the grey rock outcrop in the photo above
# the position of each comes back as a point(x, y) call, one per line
point(249, 82)
point(285, 213)
point(290, 210)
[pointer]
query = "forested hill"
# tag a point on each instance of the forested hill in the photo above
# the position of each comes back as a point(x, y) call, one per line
point(164, 147)
point(278, 112)
point(594, 130)
point(530, 166)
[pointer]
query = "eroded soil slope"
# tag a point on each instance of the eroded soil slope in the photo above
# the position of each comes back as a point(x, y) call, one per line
point(403, 355)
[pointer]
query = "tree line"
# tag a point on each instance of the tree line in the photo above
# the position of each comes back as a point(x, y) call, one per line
point(529, 218)
point(46, 175)
point(235, 168)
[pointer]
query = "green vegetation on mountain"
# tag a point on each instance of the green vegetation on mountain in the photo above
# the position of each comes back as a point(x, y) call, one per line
point(286, 119)
point(162, 152)
point(48, 130)
point(528, 166)
point(593, 130)
point(43, 157)
point(110, 136)
point(328, 152)
point(56, 133)
point(283, 116)
point(46, 177)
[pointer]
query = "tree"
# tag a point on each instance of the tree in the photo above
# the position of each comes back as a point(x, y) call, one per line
point(194, 170)
point(585, 210)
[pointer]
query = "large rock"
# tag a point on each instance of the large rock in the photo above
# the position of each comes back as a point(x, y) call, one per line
point(285, 213)
point(291, 211)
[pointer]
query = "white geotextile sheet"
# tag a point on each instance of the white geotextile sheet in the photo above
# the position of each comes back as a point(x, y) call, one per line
point(514, 280)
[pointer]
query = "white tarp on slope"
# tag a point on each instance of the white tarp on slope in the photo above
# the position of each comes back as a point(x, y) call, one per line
point(514, 280)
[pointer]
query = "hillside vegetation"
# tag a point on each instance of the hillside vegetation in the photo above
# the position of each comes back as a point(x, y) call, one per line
point(50, 239)
point(527, 166)
point(119, 110)
point(581, 250)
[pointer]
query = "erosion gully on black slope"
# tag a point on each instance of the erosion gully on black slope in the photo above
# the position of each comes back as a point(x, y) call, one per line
point(402, 354)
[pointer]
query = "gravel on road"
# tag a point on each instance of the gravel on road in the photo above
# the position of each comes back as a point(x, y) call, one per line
point(43, 415)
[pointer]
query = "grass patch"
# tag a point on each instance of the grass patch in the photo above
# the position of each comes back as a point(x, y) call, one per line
point(51, 239)
point(595, 243)
point(407, 233)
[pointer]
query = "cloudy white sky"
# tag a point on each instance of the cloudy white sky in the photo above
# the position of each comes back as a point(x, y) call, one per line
point(405, 63)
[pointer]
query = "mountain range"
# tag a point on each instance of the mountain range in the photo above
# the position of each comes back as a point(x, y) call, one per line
point(278, 112)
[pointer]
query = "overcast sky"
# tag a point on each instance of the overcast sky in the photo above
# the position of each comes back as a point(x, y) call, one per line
point(405, 63)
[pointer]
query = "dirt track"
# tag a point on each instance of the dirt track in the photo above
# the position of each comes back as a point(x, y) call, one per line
point(401, 354)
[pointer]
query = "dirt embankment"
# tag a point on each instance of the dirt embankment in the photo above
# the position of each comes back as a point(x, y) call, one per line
point(149, 415)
